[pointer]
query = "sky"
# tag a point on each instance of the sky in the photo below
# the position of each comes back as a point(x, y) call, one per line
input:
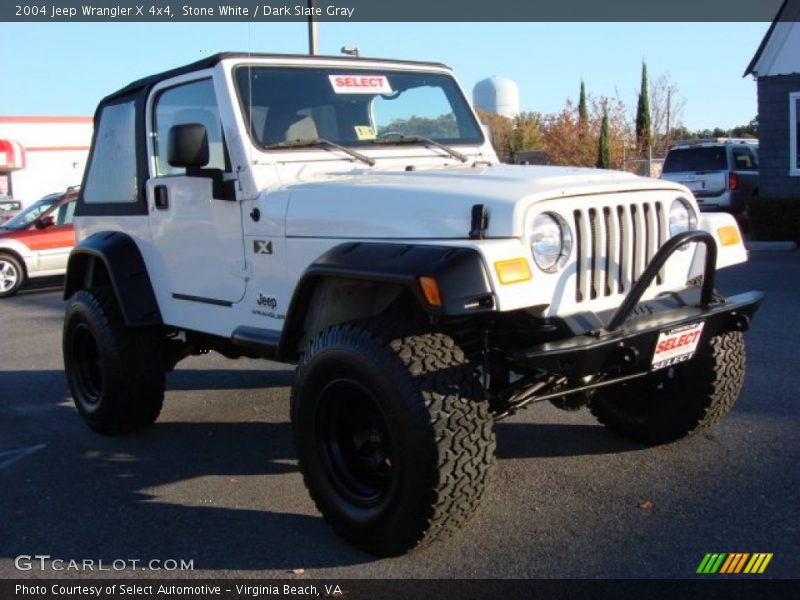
point(65, 68)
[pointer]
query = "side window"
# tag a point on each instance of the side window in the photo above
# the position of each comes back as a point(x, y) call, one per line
point(193, 102)
point(111, 177)
point(754, 157)
point(744, 160)
point(66, 212)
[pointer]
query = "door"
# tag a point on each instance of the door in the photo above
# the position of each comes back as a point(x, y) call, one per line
point(198, 239)
point(53, 244)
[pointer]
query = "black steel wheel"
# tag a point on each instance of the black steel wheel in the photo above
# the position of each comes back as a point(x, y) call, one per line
point(393, 435)
point(115, 373)
point(355, 442)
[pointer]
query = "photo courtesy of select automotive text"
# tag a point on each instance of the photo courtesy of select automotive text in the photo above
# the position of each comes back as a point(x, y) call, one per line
point(371, 300)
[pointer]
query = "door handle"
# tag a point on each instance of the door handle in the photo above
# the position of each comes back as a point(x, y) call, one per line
point(161, 197)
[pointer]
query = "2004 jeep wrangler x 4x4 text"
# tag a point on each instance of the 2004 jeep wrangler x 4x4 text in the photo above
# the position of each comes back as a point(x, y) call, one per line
point(350, 216)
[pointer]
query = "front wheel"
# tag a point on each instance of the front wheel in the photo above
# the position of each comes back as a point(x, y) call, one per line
point(393, 435)
point(115, 372)
point(12, 275)
point(672, 403)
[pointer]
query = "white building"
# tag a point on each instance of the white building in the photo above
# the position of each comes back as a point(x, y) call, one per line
point(40, 155)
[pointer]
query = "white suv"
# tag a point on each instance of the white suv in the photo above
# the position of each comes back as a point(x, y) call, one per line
point(349, 216)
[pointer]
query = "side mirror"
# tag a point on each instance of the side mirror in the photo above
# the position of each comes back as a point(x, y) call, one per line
point(187, 146)
point(45, 222)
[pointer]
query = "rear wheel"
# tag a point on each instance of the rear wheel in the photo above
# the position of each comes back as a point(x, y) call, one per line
point(115, 372)
point(393, 435)
point(12, 275)
point(672, 403)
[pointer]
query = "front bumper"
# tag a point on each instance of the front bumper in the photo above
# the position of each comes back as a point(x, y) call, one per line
point(624, 342)
point(630, 348)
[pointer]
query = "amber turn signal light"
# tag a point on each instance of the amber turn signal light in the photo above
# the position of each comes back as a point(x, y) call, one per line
point(513, 271)
point(430, 290)
point(729, 235)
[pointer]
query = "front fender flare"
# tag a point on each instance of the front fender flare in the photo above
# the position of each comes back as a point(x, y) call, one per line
point(464, 285)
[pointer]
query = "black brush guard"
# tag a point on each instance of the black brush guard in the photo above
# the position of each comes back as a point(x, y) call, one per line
point(623, 347)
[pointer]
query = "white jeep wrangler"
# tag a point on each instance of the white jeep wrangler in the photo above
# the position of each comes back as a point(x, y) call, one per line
point(350, 216)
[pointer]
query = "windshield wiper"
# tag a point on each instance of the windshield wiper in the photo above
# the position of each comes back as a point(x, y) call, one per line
point(420, 139)
point(312, 142)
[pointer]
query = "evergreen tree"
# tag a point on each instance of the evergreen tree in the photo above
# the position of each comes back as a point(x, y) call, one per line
point(643, 127)
point(583, 111)
point(604, 144)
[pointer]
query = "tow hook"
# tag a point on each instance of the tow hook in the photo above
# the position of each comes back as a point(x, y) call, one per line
point(738, 322)
point(627, 357)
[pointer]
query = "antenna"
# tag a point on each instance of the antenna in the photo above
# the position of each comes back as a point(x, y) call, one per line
point(249, 101)
point(312, 28)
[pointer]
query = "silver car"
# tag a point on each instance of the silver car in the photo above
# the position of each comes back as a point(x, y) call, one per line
point(722, 173)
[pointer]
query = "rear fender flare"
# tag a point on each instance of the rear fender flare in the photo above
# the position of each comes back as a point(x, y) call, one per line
point(117, 254)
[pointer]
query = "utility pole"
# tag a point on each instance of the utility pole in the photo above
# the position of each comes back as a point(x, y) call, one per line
point(312, 28)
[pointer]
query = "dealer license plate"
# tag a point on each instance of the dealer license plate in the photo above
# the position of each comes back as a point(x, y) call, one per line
point(676, 346)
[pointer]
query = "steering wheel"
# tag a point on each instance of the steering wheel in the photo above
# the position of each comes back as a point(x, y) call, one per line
point(388, 134)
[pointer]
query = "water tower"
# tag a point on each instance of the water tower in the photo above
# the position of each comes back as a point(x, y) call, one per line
point(496, 95)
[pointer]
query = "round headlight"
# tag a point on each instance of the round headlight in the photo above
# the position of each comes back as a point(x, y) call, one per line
point(551, 242)
point(681, 217)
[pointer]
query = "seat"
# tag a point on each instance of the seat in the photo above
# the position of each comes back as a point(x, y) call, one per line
point(288, 125)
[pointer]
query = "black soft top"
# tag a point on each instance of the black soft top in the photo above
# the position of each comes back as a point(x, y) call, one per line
point(144, 84)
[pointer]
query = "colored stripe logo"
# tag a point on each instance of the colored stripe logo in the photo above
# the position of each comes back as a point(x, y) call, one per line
point(733, 563)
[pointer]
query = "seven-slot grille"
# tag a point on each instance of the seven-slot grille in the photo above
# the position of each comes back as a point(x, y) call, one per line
point(614, 244)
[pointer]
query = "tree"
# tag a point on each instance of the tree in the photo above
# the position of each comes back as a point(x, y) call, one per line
point(562, 139)
point(643, 127)
point(666, 113)
point(526, 133)
point(562, 142)
point(749, 130)
point(604, 144)
point(509, 136)
point(583, 111)
point(443, 126)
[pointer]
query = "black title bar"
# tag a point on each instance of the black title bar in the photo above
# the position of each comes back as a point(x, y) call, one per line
point(388, 10)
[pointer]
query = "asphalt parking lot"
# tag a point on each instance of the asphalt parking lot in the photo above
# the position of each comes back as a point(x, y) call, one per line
point(215, 480)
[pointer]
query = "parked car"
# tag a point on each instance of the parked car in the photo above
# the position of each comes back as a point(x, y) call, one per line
point(722, 173)
point(37, 242)
point(9, 208)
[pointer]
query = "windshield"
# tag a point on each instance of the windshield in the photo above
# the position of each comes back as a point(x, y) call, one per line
point(352, 107)
point(29, 215)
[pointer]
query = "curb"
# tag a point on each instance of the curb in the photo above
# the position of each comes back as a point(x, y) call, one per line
point(771, 246)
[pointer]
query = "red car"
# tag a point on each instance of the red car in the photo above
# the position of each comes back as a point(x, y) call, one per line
point(37, 242)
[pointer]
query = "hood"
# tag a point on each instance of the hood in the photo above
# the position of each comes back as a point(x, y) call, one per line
point(437, 203)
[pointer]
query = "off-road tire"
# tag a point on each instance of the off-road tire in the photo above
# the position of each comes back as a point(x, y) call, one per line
point(11, 267)
point(675, 402)
point(115, 372)
point(435, 423)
